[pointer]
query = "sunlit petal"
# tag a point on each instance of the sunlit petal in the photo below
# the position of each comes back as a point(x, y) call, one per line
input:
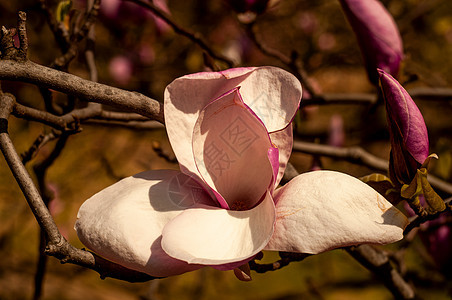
point(323, 210)
point(124, 222)
point(215, 236)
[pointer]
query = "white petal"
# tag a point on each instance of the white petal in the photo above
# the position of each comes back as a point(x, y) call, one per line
point(212, 236)
point(124, 222)
point(323, 210)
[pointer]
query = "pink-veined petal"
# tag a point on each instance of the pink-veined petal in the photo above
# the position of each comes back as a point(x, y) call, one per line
point(124, 222)
point(231, 148)
point(283, 140)
point(323, 210)
point(215, 236)
point(272, 93)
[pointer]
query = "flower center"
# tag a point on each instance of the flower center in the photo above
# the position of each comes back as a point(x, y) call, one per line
point(239, 205)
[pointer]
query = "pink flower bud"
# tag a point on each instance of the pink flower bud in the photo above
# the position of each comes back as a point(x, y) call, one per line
point(409, 137)
point(377, 34)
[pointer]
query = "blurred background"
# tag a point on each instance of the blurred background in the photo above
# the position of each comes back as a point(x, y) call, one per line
point(136, 51)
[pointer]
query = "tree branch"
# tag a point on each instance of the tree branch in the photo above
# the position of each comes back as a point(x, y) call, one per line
point(24, 180)
point(59, 31)
point(30, 72)
point(379, 264)
point(417, 221)
point(92, 114)
point(286, 259)
point(89, 18)
point(57, 245)
point(358, 155)
point(39, 142)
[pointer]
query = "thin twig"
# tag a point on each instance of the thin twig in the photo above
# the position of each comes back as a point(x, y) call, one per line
point(292, 62)
point(31, 114)
point(417, 221)
point(286, 259)
point(39, 142)
point(90, 17)
point(22, 34)
point(92, 114)
point(195, 37)
point(135, 125)
point(59, 31)
point(40, 171)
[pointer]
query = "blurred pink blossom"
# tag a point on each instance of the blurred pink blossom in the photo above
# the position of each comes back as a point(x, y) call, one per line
point(326, 41)
point(120, 68)
point(110, 8)
point(308, 22)
point(146, 53)
point(336, 133)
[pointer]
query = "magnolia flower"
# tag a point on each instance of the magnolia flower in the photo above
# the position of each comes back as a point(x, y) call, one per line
point(377, 34)
point(231, 133)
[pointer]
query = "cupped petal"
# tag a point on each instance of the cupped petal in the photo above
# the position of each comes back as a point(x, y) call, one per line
point(215, 236)
point(283, 140)
point(124, 222)
point(377, 35)
point(231, 149)
point(404, 117)
point(272, 93)
point(323, 210)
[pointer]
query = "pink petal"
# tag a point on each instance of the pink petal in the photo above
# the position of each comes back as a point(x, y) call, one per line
point(272, 93)
point(323, 210)
point(124, 222)
point(214, 236)
point(230, 147)
point(283, 140)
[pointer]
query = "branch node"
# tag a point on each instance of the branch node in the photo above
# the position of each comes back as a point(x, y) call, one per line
point(7, 49)
point(22, 33)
